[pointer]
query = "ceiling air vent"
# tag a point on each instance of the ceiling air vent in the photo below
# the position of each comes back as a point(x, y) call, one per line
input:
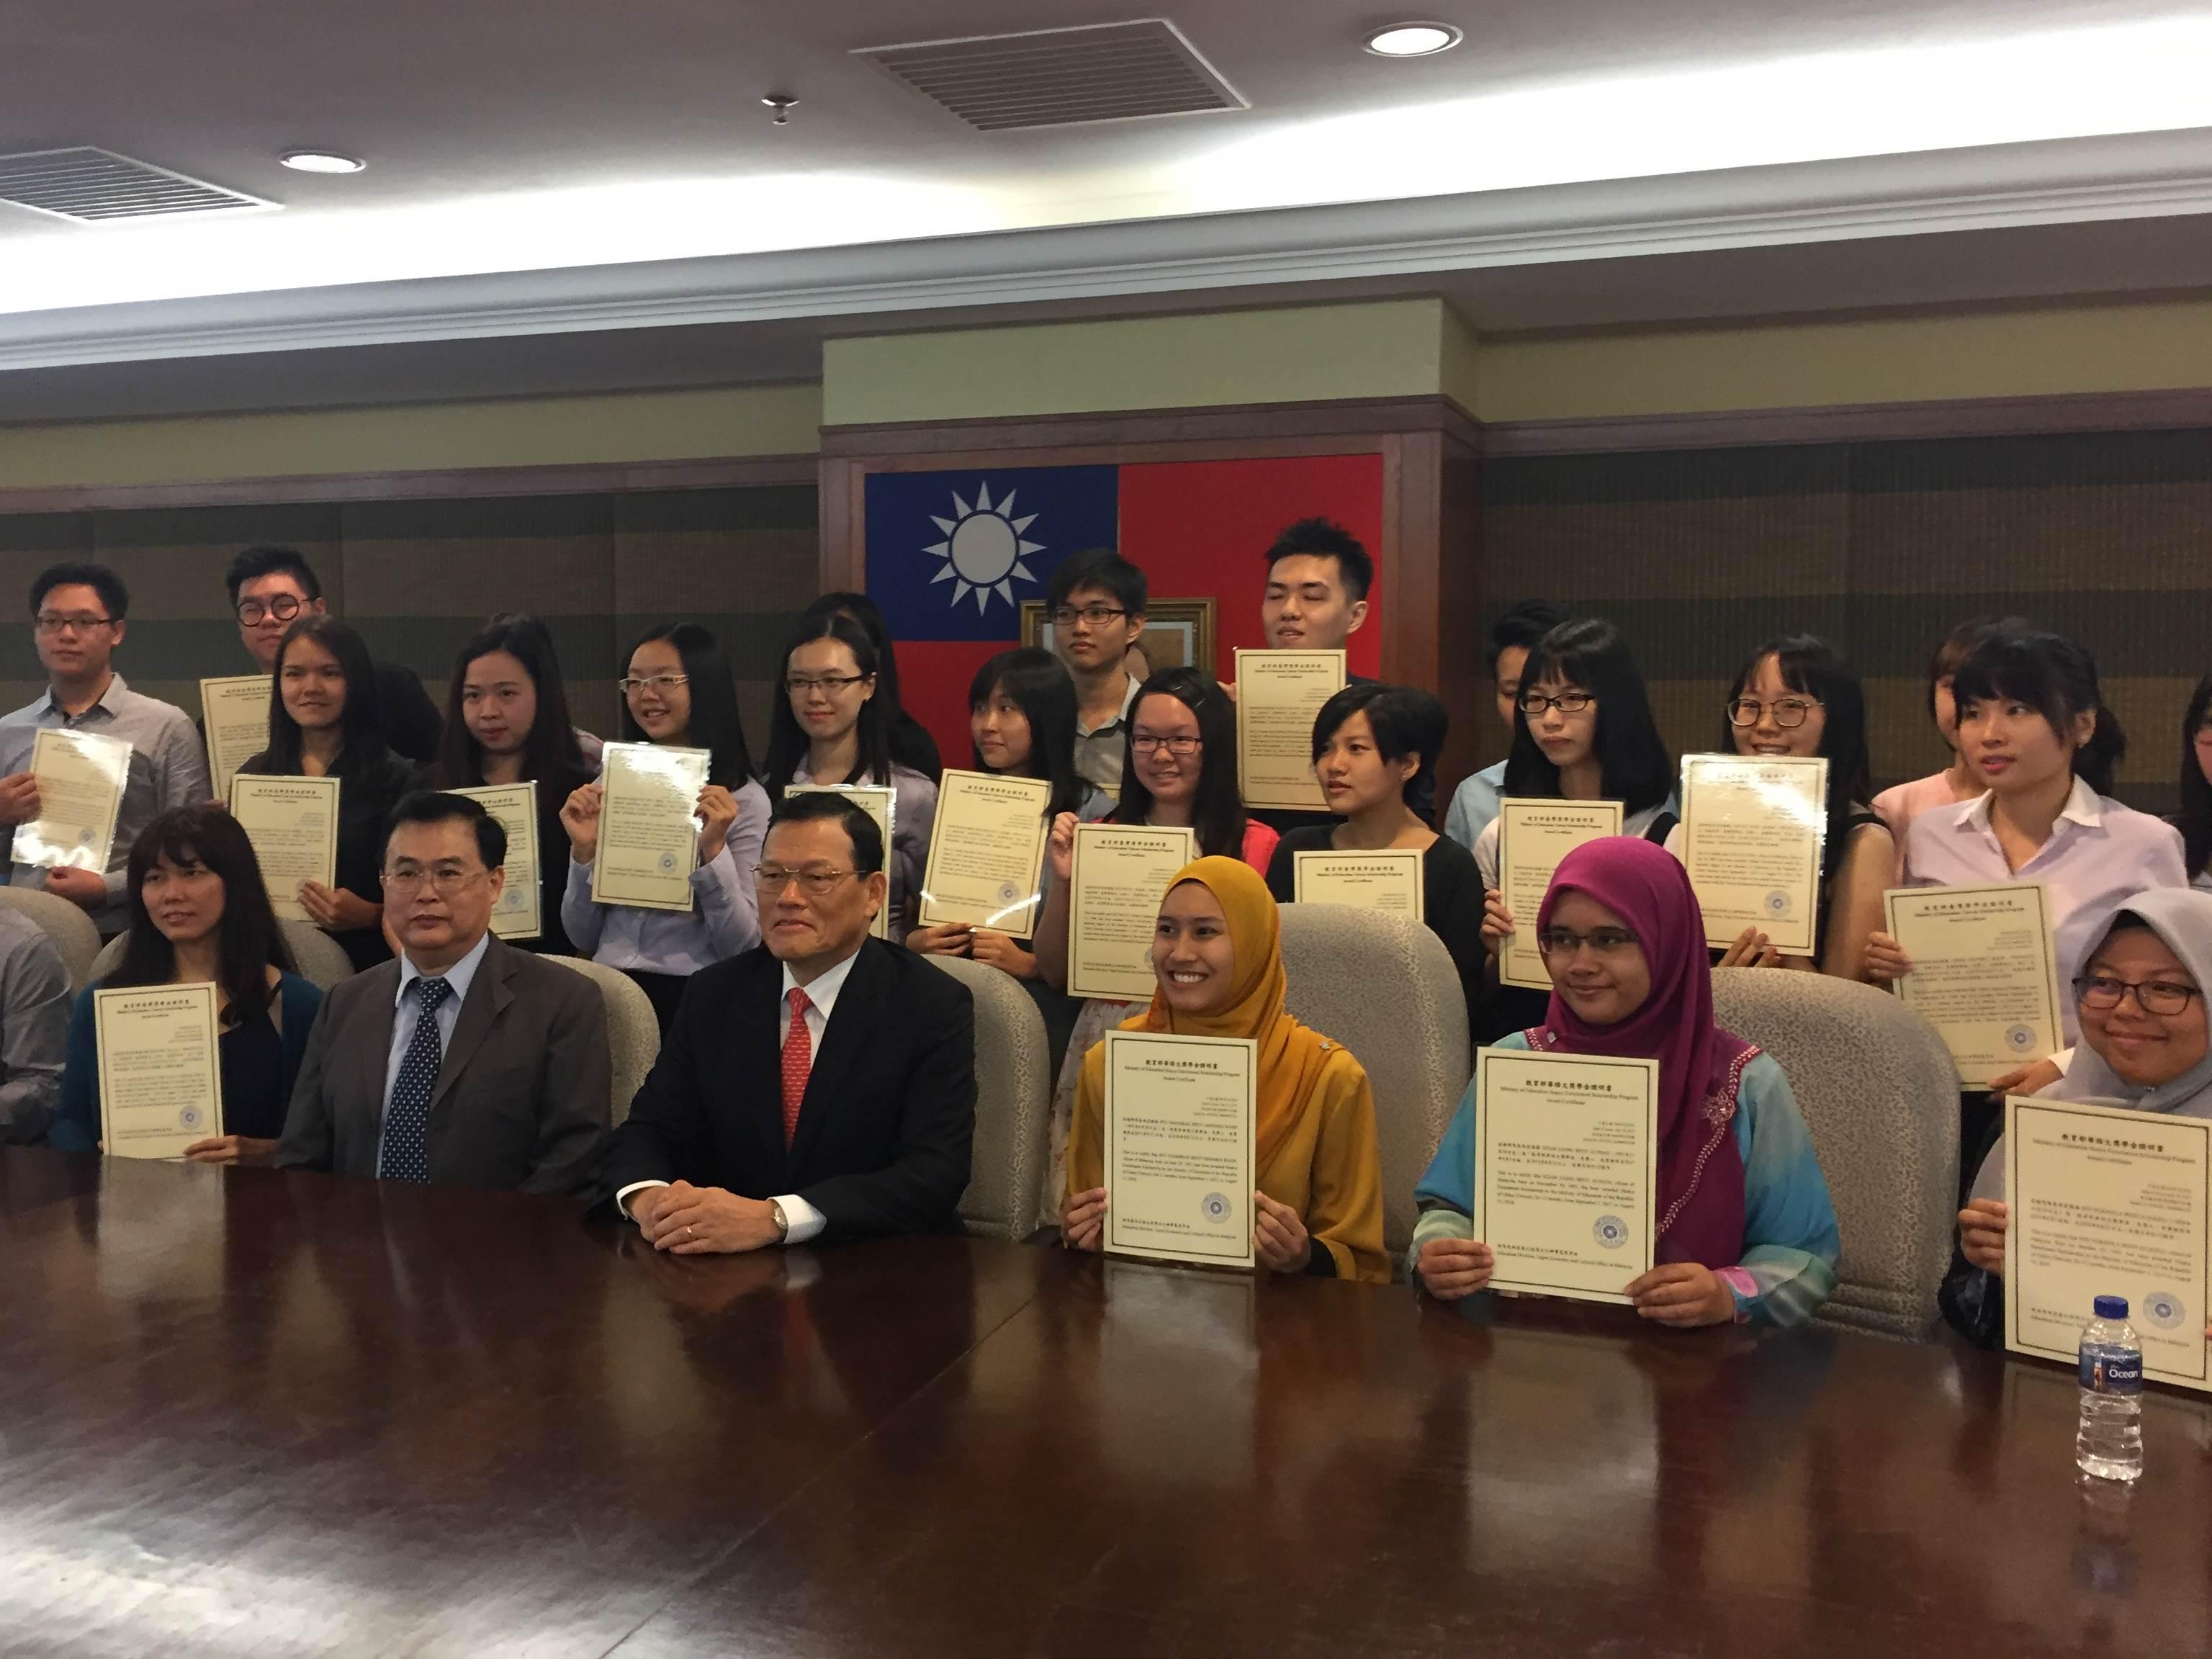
point(1062, 77)
point(91, 186)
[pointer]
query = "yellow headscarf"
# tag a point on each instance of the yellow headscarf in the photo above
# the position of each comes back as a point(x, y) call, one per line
point(1291, 1055)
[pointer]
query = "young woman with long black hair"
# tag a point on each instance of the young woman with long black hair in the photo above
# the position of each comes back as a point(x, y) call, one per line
point(911, 745)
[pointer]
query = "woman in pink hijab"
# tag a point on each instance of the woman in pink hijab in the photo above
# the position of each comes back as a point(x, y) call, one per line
point(1745, 1232)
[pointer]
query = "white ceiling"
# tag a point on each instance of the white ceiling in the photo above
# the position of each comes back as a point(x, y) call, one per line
point(571, 168)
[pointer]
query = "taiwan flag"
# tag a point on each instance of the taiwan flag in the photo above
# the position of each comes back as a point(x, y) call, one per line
point(952, 557)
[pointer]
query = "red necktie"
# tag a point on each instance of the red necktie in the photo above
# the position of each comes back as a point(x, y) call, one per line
point(798, 1060)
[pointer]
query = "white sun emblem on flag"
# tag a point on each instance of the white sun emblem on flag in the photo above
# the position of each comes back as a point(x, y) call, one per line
point(983, 549)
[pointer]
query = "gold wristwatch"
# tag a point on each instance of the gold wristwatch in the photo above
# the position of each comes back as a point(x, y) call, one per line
point(783, 1221)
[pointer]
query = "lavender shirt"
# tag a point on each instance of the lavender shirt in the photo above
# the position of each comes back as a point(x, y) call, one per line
point(2099, 853)
point(724, 921)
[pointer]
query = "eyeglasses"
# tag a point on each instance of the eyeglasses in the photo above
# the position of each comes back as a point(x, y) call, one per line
point(660, 683)
point(1604, 941)
point(1789, 711)
point(1533, 703)
point(2153, 996)
point(444, 883)
point(828, 684)
point(1096, 615)
point(283, 607)
point(48, 623)
point(1146, 744)
point(774, 877)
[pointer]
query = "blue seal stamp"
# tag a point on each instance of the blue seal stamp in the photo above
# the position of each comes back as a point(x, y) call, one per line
point(668, 861)
point(1611, 1231)
point(86, 837)
point(1008, 892)
point(189, 1118)
point(2163, 1309)
point(1777, 903)
point(2020, 1039)
point(1214, 1208)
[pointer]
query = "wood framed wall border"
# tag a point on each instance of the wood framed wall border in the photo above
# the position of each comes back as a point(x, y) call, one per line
point(577, 478)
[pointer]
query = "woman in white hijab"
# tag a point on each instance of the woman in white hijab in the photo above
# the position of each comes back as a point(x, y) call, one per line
point(2145, 1042)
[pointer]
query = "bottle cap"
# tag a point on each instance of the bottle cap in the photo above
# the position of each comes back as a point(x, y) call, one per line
point(2111, 1307)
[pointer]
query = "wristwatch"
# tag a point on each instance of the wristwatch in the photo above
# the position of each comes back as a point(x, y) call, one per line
point(783, 1221)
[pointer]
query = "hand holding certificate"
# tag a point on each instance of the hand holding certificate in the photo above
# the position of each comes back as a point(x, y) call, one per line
point(1752, 829)
point(292, 823)
point(986, 851)
point(2105, 1202)
point(879, 802)
point(1389, 880)
point(648, 829)
point(519, 913)
point(1180, 1118)
point(81, 775)
point(1121, 874)
point(1278, 695)
point(1984, 974)
point(1566, 1151)
point(161, 1083)
point(234, 714)
point(1533, 835)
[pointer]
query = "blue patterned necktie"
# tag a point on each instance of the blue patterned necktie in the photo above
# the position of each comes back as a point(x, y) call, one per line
point(408, 1115)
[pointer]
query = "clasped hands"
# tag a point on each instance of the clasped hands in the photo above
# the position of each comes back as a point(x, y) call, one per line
point(687, 1221)
point(1683, 1294)
point(1280, 1238)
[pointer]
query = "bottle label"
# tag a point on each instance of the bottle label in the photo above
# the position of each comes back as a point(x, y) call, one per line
point(2111, 1371)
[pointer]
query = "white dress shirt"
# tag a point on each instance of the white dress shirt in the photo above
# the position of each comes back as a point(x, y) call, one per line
point(802, 1221)
point(407, 1014)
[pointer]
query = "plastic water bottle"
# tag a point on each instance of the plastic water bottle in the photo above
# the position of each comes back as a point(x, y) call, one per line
point(2108, 1444)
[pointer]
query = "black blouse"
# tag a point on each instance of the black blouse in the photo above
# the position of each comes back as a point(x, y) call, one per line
point(367, 793)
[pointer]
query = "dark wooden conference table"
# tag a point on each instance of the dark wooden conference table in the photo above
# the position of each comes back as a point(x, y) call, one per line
point(253, 1414)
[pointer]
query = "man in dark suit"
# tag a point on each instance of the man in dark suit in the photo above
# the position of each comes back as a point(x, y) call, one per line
point(822, 1085)
point(464, 1061)
point(271, 588)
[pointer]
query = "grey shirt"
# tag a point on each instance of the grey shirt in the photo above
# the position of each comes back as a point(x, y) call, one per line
point(169, 767)
point(34, 1014)
point(1098, 751)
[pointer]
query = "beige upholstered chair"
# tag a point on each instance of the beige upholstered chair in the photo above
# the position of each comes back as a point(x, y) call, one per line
point(322, 959)
point(1880, 1098)
point(1386, 990)
point(1013, 1102)
point(632, 1033)
point(70, 928)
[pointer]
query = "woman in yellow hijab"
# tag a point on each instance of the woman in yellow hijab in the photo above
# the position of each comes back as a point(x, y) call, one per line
point(1218, 956)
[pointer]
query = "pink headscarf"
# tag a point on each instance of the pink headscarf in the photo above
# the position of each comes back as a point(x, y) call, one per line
point(1700, 1171)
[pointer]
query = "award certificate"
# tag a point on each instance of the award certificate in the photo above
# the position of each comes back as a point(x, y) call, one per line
point(1752, 829)
point(81, 777)
point(1566, 1170)
point(1389, 880)
point(986, 852)
point(234, 714)
point(1179, 1112)
point(1114, 894)
point(880, 802)
point(292, 823)
point(648, 825)
point(519, 911)
point(161, 1085)
point(1984, 974)
point(1533, 835)
point(2107, 1202)
point(1278, 695)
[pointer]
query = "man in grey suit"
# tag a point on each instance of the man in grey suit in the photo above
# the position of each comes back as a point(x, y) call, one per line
point(464, 1061)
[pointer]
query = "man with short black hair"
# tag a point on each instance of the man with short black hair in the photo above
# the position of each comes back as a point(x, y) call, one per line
point(271, 588)
point(822, 1085)
point(464, 1061)
point(78, 613)
point(1318, 578)
point(1512, 636)
point(1096, 601)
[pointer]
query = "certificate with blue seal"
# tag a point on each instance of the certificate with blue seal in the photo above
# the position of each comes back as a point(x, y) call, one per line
point(648, 825)
point(517, 914)
point(1984, 973)
point(2105, 1201)
point(1752, 827)
point(1566, 1151)
point(1180, 1116)
point(986, 851)
point(160, 1082)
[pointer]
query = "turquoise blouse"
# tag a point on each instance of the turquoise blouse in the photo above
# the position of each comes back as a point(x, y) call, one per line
point(1789, 1240)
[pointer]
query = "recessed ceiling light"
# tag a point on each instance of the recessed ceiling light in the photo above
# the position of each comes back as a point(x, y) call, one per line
point(1414, 39)
point(321, 161)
